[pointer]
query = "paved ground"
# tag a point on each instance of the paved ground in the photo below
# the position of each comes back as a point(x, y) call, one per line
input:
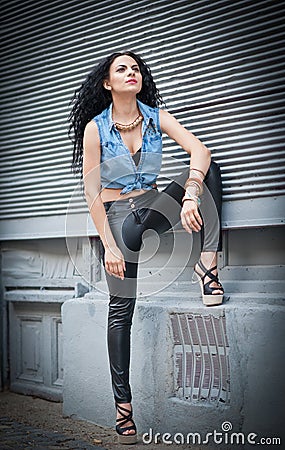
point(32, 423)
point(28, 422)
point(15, 435)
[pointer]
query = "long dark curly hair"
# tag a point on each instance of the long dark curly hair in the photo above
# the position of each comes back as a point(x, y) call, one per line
point(92, 98)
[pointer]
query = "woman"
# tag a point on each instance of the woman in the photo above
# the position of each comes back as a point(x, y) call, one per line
point(117, 127)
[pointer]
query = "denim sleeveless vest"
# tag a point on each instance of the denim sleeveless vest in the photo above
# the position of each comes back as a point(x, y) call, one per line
point(117, 167)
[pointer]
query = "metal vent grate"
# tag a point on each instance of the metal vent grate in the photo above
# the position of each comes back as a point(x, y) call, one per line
point(201, 358)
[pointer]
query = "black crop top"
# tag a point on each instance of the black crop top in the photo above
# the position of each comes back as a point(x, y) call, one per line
point(137, 156)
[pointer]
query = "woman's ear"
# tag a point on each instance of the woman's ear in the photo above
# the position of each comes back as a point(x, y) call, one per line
point(106, 85)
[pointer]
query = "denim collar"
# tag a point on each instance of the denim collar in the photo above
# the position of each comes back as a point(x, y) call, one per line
point(147, 112)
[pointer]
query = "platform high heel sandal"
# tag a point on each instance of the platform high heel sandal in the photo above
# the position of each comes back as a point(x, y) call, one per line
point(127, 416)
point(209, 299)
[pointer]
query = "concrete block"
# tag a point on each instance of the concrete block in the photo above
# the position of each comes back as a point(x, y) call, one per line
point(255, 334)
point(87, 391)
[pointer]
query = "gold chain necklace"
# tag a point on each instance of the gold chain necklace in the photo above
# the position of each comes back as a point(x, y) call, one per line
point(129, 126)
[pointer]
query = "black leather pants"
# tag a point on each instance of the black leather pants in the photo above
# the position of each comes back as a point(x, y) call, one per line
point(128, 219)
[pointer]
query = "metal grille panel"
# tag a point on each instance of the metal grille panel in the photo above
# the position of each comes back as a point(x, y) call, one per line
point(217, 65)
point(201, 358)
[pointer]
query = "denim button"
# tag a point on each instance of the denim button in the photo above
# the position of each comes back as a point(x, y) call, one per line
point(130, 200)
point(133, 205)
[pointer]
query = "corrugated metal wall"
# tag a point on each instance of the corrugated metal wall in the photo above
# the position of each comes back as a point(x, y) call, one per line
point(217, 65)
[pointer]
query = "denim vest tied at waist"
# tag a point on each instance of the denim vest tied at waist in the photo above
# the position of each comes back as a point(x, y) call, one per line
point(117, 168)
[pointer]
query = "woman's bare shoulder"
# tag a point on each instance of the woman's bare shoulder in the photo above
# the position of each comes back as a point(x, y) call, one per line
point(91, 129)
point(92, 125)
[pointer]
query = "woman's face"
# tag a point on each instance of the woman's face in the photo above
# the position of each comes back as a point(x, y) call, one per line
point(124, 76)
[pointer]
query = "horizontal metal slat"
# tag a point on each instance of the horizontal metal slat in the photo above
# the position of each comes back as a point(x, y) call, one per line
point(196, 75)
point(221, 48)
point(12, 215)
point(267, 11)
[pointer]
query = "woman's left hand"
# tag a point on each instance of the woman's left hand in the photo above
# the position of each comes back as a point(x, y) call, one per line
point(190, 217)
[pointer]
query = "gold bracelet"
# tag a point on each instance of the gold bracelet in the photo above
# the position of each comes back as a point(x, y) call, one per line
point(193, 188)
point(195, 175)
point(193, 198)
point(197, 181)
point(198, 170)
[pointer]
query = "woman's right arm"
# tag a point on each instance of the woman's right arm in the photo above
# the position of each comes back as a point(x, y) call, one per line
point(114, 260)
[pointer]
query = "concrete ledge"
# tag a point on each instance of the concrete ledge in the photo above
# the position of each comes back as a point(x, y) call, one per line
point(256, 336)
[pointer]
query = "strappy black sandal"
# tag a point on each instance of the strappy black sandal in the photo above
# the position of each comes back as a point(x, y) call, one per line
point(209, 299)
point(127, 416)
